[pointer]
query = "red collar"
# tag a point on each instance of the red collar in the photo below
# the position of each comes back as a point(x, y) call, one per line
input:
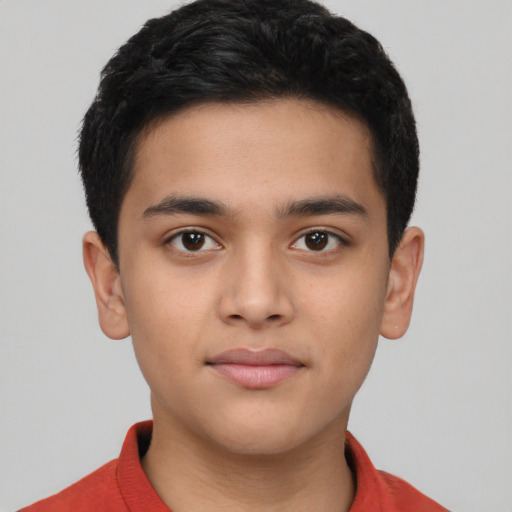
point(376, 491)
point(133, 483)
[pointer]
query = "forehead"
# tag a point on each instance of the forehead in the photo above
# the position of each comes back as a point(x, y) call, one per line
point(261, 153)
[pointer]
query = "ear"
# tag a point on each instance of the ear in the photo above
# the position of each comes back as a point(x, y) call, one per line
point(106, 281)
point(403, 276)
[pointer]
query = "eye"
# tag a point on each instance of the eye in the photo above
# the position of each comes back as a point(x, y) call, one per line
point(193, 241)
point(318, 241)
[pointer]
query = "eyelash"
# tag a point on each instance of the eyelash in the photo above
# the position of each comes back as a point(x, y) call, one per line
point(206, 238)
point(341, 242)
point(328, 237)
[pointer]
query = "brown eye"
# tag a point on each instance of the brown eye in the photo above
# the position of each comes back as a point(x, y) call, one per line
point(319, 241)
point(316, 241)
point(193, 241)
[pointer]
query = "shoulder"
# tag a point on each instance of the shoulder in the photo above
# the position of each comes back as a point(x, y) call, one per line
point(98, 491)
point(381, 491)
point(118, 486)
point(403, 496)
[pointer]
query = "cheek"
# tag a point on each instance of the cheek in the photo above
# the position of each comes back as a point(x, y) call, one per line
point(345, 316)
point(163, 300)
point(166, 323)
point(349, 304)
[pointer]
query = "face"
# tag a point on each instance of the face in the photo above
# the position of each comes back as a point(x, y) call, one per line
point(254, 270)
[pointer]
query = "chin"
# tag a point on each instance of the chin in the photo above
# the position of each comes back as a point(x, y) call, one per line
point(259, 447)
point(260, 438)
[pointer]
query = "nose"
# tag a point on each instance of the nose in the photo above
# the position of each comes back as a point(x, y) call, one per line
point(256, 290)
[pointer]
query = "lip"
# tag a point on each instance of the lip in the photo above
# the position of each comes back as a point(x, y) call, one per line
point(255, 369)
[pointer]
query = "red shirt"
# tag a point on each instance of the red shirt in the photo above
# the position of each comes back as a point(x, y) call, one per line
point(122, 486)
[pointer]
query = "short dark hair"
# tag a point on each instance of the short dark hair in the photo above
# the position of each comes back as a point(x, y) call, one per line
point(246, 51)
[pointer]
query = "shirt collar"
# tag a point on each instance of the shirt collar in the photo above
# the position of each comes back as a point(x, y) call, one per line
point(140, 496)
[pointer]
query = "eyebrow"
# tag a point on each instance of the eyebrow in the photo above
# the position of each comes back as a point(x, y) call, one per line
point(338, 204)
point(193, 205)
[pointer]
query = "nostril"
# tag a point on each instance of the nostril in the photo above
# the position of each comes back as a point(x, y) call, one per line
point(274, 317)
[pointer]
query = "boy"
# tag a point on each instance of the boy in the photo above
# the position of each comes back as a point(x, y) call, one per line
point(250, 168)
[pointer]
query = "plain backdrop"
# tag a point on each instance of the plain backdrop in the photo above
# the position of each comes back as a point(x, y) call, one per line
point(436, 407)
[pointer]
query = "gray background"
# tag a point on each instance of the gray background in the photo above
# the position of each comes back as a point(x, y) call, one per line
point(436, 408)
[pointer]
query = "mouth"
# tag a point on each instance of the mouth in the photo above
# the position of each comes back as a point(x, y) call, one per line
point(252, 369)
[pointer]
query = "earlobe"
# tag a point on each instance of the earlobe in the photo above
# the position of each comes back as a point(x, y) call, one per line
point(106, 282)
point(403, 276)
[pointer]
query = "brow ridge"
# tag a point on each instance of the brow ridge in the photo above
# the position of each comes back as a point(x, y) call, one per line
point(192, 205)
point(329, 205)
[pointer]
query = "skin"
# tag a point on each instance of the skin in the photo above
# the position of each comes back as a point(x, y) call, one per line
point(256, 283)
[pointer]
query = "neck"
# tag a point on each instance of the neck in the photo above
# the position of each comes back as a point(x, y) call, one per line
point(194, 474)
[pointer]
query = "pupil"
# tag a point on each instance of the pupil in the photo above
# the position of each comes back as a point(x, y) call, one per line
point(316, 241)
point(193, 241)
